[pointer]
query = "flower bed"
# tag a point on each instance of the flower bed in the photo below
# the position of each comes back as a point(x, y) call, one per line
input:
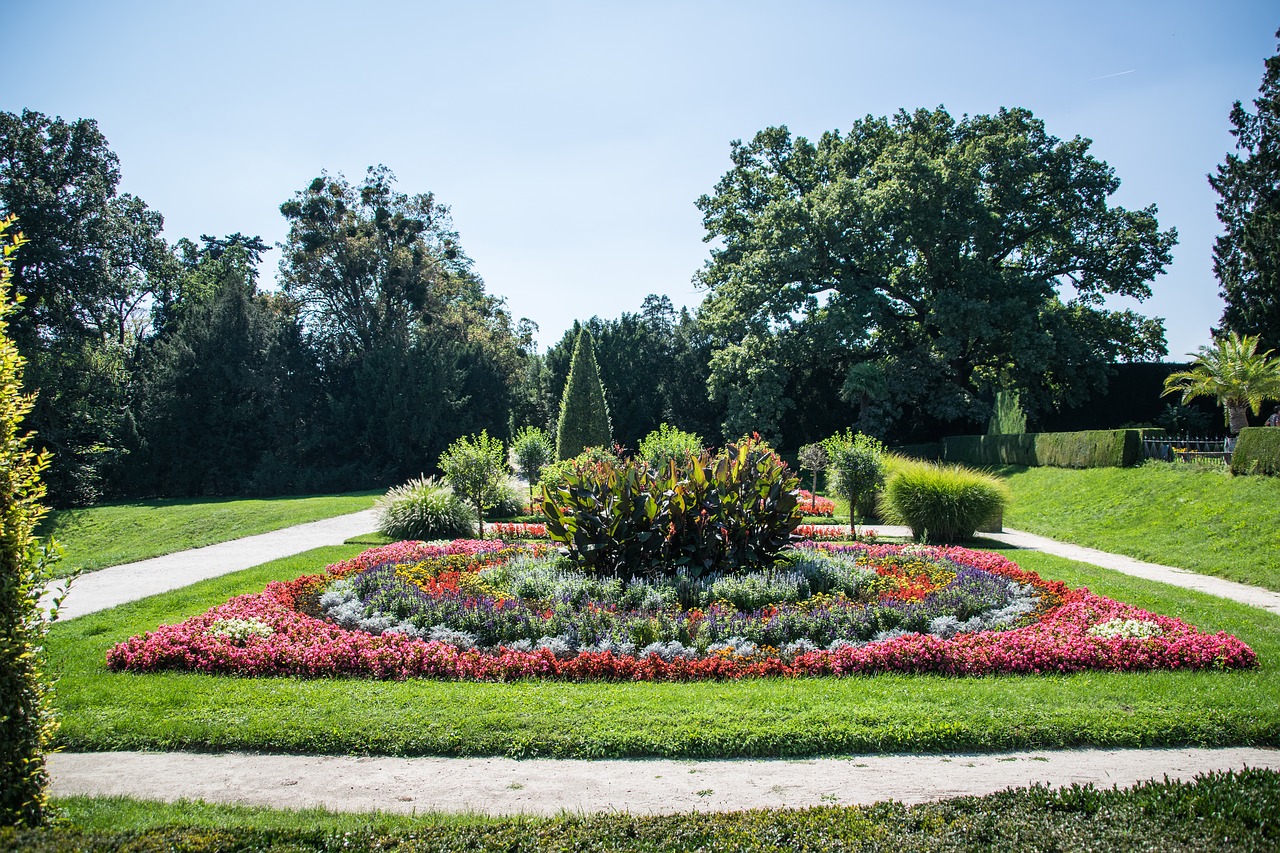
point(472, 610)
point(816, 506)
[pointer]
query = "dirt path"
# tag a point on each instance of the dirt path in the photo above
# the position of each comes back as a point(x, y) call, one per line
point(544, 786)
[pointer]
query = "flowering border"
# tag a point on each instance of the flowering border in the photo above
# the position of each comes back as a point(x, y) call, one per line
point(304, 646)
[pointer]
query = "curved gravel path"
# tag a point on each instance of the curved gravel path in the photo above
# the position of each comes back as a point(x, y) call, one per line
point(548, 786)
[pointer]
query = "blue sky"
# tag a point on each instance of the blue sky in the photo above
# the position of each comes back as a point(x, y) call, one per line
point(572, 139)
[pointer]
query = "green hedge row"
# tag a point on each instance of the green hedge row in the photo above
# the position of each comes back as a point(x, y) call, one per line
point(1257, 451)
point(1095, 448)
point(1218, 811)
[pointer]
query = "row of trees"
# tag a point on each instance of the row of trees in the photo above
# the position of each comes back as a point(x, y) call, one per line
point(901, 276)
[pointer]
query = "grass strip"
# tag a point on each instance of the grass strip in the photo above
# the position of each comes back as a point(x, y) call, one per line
point(753, 718)
point(113, 534)
point(1175, 514)
point(1217, 811)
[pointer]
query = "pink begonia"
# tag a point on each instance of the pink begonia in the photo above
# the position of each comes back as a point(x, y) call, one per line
point(304, 646)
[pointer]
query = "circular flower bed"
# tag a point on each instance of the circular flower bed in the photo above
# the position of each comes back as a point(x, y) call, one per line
point(490, 611)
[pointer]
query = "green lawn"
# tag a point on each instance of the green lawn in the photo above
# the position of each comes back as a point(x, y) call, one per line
point(111, 534)
point(1174, 514)
point(769, 717)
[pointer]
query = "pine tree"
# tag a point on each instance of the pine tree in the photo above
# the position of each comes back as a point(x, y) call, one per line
point(584, 415)
point(26, 718)
point(1246, 257)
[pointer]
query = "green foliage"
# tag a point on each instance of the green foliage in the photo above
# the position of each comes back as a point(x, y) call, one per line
point(556, 475)
point(1257, 451)
point(813, 458)
point(908, 235)
point(715, 512)
point(1217, 811)
point(855, 467)
point(94, 258)
point(27, 723)
point(941, 503)
point(584, 416)
point(1244, 256)
point(1234, 372)
point(657, 361)
point(531, 451)
point(1008, 417)
point(424, 509)
point(666, 444)
point(476, 467)
point(1097, 448)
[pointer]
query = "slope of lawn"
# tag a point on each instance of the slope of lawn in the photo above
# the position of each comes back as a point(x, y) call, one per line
point(112, 534)
point(1170, 513)
point(1217, 811)
point(757, 717)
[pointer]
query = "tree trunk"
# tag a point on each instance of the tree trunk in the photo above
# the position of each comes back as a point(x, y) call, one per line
point(1237, 418)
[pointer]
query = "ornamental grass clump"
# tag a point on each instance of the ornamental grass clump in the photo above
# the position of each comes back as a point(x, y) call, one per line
point(424, 509)
point(941, 503)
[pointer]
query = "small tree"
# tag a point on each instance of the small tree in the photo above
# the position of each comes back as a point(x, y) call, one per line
point(26, 716)
point(476, 468)
point(1233, 371)
point(584, 415)
point(855, 467)
point(813, 458)
point(1007, 418)
point(666, 443)
point(531, 451)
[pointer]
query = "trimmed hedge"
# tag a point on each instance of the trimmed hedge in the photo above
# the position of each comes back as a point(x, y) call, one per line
point(1257, 451)
point(1095, 448)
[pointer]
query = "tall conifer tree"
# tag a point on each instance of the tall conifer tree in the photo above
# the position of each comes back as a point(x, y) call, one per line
point(1246, 257)
point(584, 415)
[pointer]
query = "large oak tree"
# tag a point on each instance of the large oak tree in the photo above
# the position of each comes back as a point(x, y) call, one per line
point(934, 260)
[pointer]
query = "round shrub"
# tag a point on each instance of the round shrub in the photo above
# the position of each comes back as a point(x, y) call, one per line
point(508, 503)
point(424, 509)
point(941, 503)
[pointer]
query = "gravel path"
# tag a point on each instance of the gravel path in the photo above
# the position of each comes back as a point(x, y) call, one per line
point(544, 786)
point(120, 584)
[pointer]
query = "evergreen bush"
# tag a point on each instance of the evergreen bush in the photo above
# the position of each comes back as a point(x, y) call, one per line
point(666, 444)
point(27, 722)
point(941, 503)
point(584, 415)
point(424, 509)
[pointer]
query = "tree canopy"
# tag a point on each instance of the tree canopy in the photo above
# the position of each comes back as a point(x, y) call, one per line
point(1246, 257)
point(929, 260)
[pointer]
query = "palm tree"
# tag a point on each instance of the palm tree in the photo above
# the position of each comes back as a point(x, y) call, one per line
point(1233, 371)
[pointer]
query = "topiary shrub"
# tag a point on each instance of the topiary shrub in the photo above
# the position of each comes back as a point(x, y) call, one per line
point(941, 503)
point(1257, 451)
point(855, 468)
point(424, 509)
point(584, 415)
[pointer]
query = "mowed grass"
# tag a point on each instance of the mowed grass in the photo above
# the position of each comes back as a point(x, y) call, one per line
point(768, 717)
point(1169, 513)
point(112, 534)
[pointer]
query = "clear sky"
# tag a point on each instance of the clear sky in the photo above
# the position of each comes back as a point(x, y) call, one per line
point(572, 139)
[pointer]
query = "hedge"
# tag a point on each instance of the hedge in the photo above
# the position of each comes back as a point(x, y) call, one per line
point(1257, 451)
point(1095, 448)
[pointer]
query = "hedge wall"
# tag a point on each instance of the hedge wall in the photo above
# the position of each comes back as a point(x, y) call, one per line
point(1095, 448)
point(1257, 451)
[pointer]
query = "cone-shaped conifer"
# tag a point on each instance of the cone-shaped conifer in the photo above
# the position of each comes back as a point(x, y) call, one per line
point(584, 415)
